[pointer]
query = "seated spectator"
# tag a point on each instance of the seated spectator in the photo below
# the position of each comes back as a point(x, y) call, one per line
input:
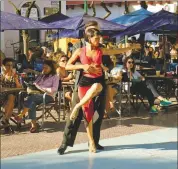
point(158, 61)
point(2, 57)
point(8, 79)
point(44, 55)
point(149, 54)
point(174, 59)
point(135, 52)
point(174, 53)
point(111, 92)
point(28, 61)
point(48, 83)
point(139, 86)
point(64, 75)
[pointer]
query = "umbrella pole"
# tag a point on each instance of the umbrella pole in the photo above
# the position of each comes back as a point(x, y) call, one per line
point(57, 39)
point(164, 54)
point(85, 6)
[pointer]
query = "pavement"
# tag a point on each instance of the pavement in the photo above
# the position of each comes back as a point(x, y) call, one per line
point(135, 142)
point(149, 150)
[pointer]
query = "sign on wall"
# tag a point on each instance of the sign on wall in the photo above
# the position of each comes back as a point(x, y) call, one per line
point(55, 4)
point(33, 13)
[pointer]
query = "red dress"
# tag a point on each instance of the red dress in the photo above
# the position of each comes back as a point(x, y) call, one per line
point(88, 108)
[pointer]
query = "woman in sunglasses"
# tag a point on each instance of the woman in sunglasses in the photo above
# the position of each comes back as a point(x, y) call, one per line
point(8, 79)
point(141, 87)
point(138, 85)
point(92, 82)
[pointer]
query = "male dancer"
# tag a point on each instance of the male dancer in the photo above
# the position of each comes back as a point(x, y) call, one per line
point(71, 127)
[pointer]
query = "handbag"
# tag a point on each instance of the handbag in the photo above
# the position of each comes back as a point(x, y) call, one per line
point(32, 89)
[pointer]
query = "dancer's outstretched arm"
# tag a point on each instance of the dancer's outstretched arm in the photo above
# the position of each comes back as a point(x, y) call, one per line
point(119, 50)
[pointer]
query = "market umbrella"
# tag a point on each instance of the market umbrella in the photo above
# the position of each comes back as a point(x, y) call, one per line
point(78, 23)
point(133, 17)
point(53, 18)
point(11, 21)
point(152, 23)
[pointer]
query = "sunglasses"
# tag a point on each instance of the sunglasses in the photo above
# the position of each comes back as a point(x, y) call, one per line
point(130, 62)
point(9, 65)
point(63, 60)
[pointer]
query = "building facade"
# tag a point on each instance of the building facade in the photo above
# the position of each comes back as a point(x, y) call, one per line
point(43, 8)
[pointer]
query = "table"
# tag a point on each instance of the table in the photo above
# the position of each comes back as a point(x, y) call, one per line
point(68, 84)
point(161, 77)
point(9, 90)
point(146, 70)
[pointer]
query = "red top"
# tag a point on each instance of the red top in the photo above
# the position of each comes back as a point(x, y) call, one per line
point(97, 60)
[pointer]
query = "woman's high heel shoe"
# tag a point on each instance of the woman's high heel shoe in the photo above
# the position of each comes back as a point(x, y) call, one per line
point(92, 147)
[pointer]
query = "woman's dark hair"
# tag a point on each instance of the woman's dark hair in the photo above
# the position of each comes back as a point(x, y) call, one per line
point(64, 56)
point(125, 64)
point(51, 64)
point(157, 51)
point(7, 60)
point(91, 33)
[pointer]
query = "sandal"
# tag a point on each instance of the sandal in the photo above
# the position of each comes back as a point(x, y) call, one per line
point(92, 147)
point(19, 118)
point(106, 116)
point(35, 129)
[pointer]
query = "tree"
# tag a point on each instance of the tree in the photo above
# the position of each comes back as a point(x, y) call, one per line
point(143, 4)
point(106, 9)
point(92, 5)
point(126, 7)
point(24, 32)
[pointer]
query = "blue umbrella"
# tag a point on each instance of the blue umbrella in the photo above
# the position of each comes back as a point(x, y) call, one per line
point(77, 33)
point(78, 23)
point(67, 33)
point(11, 21)
point(152, 23)
point(133, 17)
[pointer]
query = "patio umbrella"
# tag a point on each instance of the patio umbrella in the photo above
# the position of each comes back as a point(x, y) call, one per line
point(133, 17)
point(78, 23)
point(152, 23)
point(11, 21)
point(53, 18)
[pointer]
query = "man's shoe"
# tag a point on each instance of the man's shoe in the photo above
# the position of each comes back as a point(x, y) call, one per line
point(62, 149)
point(99, 147)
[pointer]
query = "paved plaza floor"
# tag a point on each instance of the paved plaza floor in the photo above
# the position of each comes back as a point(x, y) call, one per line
point(155, 149)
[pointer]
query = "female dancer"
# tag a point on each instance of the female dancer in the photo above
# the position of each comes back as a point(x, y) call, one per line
point(91, 84)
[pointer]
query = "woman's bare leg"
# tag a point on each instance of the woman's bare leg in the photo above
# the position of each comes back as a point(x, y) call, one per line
point(68, 95)
point(24, 111)
point(33, 123)
point(95, 89)
point(89, 130)
point(9, 106)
